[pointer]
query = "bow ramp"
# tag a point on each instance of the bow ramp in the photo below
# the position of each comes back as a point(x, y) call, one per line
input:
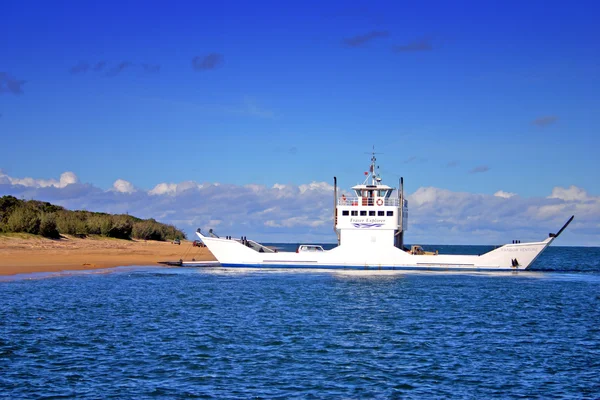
point(520, 255)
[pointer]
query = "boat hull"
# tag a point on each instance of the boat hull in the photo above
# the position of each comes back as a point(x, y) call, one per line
point(233, 253)
point(367, 267)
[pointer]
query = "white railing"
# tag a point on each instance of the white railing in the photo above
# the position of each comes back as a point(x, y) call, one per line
point(368, 201)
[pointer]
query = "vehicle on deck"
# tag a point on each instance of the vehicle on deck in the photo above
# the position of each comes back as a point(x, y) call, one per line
point(418, 250)
point(309, 248)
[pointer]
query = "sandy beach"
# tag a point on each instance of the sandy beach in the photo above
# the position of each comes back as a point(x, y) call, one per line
point(26, 253)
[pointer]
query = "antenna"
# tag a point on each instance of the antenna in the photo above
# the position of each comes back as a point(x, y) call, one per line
point(375, 179)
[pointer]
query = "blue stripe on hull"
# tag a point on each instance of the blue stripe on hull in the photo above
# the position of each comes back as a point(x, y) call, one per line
point(365, 268)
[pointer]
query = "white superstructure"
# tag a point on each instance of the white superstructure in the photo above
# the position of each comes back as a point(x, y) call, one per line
point(371, 213)
point(370, 225)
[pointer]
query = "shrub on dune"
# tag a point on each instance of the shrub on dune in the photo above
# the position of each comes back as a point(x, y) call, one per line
point(48, 226)
point(24, 219)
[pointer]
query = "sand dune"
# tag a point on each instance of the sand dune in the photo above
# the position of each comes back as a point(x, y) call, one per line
point(28, 254)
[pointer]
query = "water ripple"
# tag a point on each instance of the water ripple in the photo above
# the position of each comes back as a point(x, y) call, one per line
point(216, 334)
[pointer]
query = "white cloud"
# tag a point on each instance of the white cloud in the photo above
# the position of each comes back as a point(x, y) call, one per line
point(572, 193)
point(454, 217)
point(503, 194)
point(187, 185)
point(292, 213)
point(172, 189)
point(164, 188)
point(255, 188)
point(66, 178)
point(301, 221)
point(123, 186)
point(316, 186)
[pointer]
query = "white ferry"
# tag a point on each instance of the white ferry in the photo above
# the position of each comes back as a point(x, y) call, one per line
point(370, 228)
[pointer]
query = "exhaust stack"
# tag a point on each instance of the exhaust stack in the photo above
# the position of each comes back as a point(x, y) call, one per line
point(335, 209)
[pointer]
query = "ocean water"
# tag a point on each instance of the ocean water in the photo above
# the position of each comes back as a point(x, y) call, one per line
point(153, 332)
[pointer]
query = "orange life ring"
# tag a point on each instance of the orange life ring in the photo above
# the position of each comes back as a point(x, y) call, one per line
point(379, 202)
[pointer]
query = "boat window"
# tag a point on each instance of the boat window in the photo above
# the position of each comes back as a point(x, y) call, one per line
point(354, 213)
point(390, 213)
point(371, 213)
point(380, 213)
point(345, 212)
point(363, 213)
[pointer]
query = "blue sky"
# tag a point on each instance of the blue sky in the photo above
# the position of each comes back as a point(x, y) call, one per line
point(463, 97)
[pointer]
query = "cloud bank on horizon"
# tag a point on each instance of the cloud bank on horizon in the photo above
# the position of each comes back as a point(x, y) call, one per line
point(300, 213)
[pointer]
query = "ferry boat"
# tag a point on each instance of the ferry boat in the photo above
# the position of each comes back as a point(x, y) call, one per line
point(370, 227)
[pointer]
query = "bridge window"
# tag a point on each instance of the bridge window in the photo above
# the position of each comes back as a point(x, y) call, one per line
point(354, 213)
point(345, 212)
point(371, 213)
point(363, 213)
point(380, 213)
point(390, 213)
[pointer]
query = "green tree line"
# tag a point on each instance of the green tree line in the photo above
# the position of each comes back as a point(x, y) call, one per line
point(45, 219)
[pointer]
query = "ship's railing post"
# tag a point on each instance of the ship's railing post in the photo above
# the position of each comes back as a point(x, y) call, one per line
point(348, 201)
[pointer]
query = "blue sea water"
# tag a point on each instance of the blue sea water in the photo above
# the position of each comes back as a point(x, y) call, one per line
point(154, 332)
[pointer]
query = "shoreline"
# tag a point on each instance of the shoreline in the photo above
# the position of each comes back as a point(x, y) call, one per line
point(23, 254)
